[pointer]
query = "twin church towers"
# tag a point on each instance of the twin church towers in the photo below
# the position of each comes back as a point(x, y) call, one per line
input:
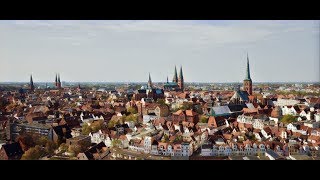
point(57, 82)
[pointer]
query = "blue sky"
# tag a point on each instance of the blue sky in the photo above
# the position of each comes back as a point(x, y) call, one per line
point(126, 51)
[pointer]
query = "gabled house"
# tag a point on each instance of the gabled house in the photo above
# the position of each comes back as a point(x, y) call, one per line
point(192, 116)
point(162, 110)
point(258, 124)
point(100, 137)
point(291, 110)
point(292, 127)
point(96, 152)
point(266, 132)
point(217, 121)
point(178, 117)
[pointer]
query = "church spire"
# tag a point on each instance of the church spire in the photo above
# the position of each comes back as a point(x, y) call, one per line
point(56, 81)
point(149, 82)
point(59, 78)
point(167, 79)
point(31, 83)
point(181, 80)
point(181, 74)
point(175, 75)
point(248, 69)
point(247, 82)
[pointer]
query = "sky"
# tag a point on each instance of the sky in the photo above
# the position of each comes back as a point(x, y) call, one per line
point(126, 51)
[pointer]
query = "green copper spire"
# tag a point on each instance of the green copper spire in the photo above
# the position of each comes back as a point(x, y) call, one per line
point(175, 76)
point(31, 80)
point(149, 82)
point(31, 83)
point(59, 78)
point(181, 74)
point(248, 69)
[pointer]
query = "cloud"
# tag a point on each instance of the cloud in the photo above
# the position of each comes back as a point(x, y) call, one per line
point(176, 32)
point(191, 43)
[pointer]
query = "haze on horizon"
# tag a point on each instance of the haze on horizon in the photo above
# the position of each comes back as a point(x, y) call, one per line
point(126, 51)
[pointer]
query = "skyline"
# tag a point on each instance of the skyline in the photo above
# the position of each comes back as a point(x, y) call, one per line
point(95, 51)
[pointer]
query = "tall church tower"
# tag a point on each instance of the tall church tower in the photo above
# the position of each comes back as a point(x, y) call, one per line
point(181, 80)
point(31, 83)
point(56, 81)
point(59, 82)
point(175, 75)
point(150, 86)
point(247, 82)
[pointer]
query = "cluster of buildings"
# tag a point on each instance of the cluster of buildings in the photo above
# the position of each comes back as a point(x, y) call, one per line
point(164, 121)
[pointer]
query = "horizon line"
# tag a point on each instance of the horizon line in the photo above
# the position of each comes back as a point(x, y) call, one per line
point(5, 82)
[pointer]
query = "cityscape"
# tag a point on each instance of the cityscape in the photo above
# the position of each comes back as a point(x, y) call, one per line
point(105, 117)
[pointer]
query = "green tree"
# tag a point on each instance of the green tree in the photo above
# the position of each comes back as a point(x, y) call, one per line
point(111, 123)
point(116, 143)
point(41, 141)
point(166, 137)
point(131, 117)
point(204, 119)
point(34, 153)
point(97, 125)
point(132, 110)
point(186, 106)
point(50, 147)
point(199, 110)
point(178, 138)
point(74, 149)
point(288, 119)
point(63, 147)
point(161, 101)
point(86, 129)
point(94, 127)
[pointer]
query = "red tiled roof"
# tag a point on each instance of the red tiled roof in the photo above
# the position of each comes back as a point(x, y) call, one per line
point(190, 113)
point(178, 112)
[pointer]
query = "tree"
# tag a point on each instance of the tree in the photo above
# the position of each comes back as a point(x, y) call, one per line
point(86, 129)
point(166, 137)
point(97, 125)
point(33, 153)
point(199, 110)
point(50, 147)
point(94, 127)
point(84, 145)
point(131, 117)
point(116, 143)
point(26, 141)
point(204, 119)
point(41, 141)
point(74, 149)
point(288, 119)
point(161, 101)
point(132, 110)
point(63, 148)
point(111, 124)
point(186, 106)
point(122, 119)
point(178, 138)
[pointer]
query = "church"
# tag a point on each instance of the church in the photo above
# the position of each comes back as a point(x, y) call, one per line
point(245, 95)
point(149, 93)
point(177, 83)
